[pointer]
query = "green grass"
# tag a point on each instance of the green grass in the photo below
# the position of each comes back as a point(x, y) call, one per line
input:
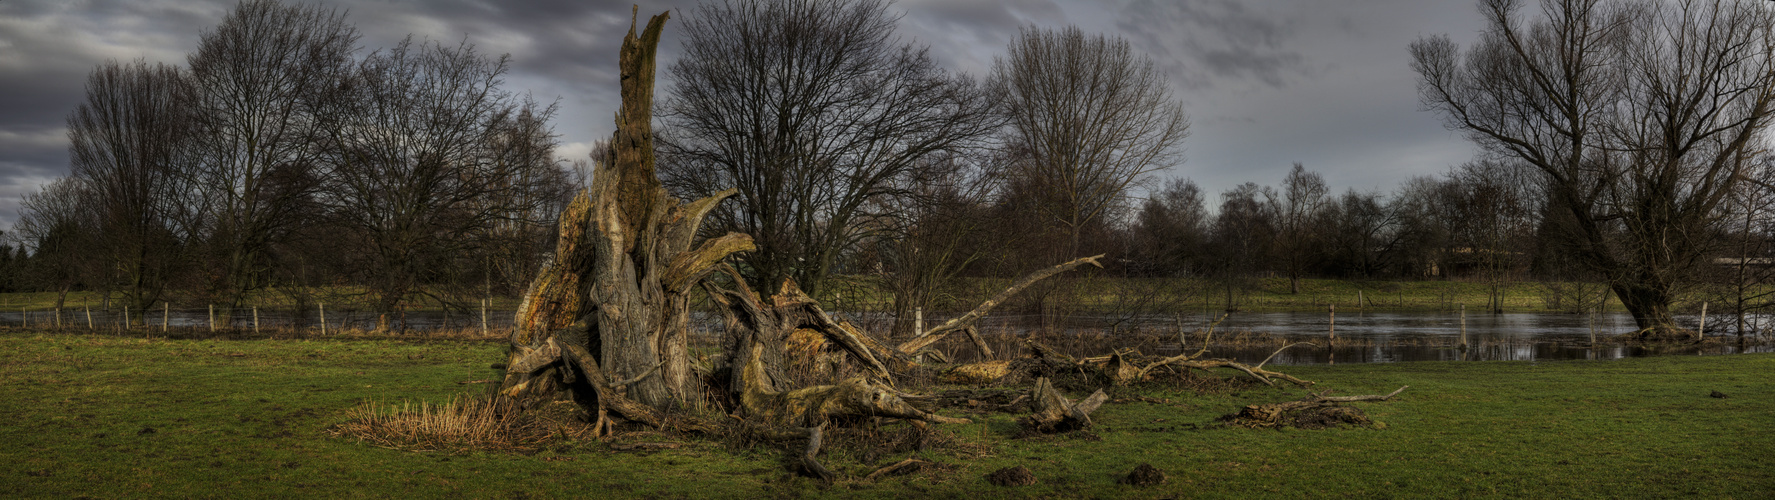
point(124, 417)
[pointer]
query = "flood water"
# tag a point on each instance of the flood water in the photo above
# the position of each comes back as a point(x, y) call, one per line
point(1367, 337)
point(1387, 337)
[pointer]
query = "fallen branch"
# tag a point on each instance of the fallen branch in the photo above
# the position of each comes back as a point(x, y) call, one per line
point(901, 465)
point(965, 321)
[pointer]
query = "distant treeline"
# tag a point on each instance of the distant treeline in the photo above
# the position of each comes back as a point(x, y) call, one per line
point(281, 157)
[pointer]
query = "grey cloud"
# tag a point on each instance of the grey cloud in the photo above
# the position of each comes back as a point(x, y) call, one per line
point(1208, 42)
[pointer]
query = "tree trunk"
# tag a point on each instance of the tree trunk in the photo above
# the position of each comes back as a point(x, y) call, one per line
point(1650, 307)
point(617, 288)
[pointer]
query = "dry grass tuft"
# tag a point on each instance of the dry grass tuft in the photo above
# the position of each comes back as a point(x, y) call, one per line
point(466, 422)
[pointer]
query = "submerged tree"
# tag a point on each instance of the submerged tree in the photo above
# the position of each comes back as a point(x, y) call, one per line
point(1640, 119)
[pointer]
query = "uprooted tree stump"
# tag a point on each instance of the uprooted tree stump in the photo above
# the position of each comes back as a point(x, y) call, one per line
point(605, 322)
point(1312, 412)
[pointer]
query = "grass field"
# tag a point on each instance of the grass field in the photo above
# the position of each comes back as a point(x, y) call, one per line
point(102, 416)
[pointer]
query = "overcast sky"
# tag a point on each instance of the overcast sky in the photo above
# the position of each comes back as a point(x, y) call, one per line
point(1266, 83)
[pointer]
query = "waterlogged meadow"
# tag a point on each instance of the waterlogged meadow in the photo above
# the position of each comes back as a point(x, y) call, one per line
point(108, 416)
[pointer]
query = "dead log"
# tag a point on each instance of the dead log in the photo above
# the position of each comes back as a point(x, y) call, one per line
point(1055, 413)
point(1291, 413)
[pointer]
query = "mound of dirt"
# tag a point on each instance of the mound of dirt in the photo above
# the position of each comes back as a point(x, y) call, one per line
point(1011, 476)
point(1143, 475)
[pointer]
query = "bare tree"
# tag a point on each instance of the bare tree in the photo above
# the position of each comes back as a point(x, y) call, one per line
point(426, 160)
point(812, 109)
point(1088, 118)
point(935, 235)
point(129, 146)
point(1300, 215)
point(262, 80)
point(1170, 232)
point(60, 226)
point(1752, 248)
point(1640, 118)
point(1494, 218)
point(1364, 233)
point(1243, 233)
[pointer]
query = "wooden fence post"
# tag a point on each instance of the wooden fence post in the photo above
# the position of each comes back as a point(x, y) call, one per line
point(255, 320)
point(1331, 311)
point(1597, 311)
point(1463, 326)
point(1701, 329)
point(323, 318)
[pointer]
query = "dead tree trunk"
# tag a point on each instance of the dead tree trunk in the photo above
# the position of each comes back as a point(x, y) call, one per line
point(614, 297)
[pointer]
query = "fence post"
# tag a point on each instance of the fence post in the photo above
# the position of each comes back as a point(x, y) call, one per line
point(24, 318)
point(126, 318)
point(323, 318)
point(255, 320)
point(1331, 311)
point(212, 318)
point(1463, 326)
point(484, 315)
point(1701, 329)
point(1593, 314)
point(58, 318)
point(89, 323)
point(166, 316)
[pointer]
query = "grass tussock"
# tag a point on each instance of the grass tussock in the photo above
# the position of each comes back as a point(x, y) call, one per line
point(491, 422)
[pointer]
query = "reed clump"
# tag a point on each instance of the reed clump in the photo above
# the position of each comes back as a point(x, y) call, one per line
point(484, 422)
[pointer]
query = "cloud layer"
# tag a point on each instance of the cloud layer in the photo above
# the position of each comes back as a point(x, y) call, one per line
point(1266, 82)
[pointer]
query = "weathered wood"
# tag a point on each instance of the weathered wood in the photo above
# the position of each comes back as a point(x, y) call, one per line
point(910, 463)
point(1055, 413)
point(1279, 414)
point(965, 321)
point(615, 294)
point(814, 406)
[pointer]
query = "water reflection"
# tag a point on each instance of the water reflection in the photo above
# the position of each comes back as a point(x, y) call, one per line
point(1366, 337)
point(1386, 337)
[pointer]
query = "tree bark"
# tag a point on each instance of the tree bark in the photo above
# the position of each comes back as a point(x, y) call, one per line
point(614, 299)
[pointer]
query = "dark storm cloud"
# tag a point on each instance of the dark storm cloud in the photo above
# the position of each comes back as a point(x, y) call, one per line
point(1267, 82)
point(1208, 41)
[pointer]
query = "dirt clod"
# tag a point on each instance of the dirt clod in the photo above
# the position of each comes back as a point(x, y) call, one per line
point(1143, 475)
point(1011, 476)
